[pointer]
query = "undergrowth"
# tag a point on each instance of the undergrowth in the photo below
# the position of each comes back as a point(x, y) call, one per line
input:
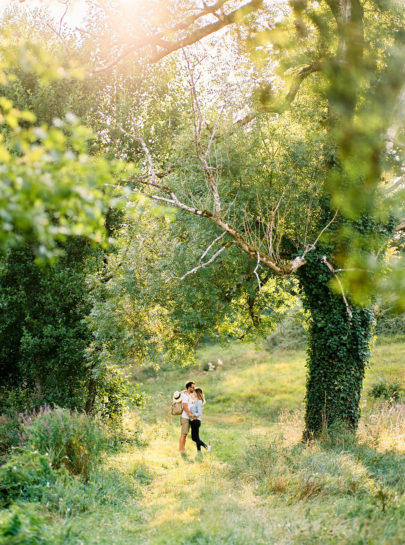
point(260, 484)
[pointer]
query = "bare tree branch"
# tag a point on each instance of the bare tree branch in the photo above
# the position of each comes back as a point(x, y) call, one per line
point(210, 246)
point(67, 4)
point(58, 31)
point(202, 265)
point(177, 204)
point(332, 270)
point(313, 245)
point(167, 47)
point(202, 154)
point(256, 274)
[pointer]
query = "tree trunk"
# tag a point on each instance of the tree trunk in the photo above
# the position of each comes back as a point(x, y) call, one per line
point(91, 395)
point(337, 353)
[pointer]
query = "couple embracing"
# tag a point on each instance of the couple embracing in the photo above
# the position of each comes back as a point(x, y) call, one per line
point(192, 400)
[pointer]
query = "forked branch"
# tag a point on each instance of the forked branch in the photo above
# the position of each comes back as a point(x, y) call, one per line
point(202, 265)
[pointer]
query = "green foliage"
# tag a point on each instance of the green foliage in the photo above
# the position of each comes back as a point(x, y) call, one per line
point(51, 187)
point(290, 333)
point(389, 323)
point(12, 400)
point(338, 350)
point(69, 438)
point(9, 433)
point(23, 525)
point(43, 337)
point(277, 181)
point(24, 476)
point(55, 203)
point(384, 390)
point(115, 393)
point(48, 180)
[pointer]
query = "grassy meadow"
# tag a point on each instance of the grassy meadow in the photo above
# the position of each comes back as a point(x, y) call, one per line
point(260, 484)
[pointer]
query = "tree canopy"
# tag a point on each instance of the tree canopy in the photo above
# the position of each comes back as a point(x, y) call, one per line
point(238, 154)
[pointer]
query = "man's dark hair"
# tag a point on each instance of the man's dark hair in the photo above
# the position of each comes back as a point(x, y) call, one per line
point(189, 383)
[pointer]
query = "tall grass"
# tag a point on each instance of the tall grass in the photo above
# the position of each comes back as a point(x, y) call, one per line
point(259, 485)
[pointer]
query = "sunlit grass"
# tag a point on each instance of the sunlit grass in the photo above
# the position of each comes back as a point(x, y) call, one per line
point(260, 484)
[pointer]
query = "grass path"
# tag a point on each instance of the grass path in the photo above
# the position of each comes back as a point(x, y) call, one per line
point(195, 500)
point(259, 485)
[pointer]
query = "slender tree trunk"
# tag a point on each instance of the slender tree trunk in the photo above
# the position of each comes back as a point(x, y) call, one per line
point(337, 353)
point(91, 395)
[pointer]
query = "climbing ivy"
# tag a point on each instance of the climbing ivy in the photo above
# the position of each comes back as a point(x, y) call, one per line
point(338, 350)
point(340, 328)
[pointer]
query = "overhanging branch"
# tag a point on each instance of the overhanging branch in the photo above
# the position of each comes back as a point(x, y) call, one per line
point(166, 47)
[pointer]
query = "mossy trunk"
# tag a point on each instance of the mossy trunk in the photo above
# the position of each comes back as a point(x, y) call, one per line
point(337, 353)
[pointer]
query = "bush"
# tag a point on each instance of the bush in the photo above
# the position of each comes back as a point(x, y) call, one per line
point(24, 476)
point(22, 525)
point(385, 390)
point(71, 439)
point(15, 400)
point(114, 394)
point(9, 434)
point(389, 323)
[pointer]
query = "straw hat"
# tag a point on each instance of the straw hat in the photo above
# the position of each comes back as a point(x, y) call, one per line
point(176, 396)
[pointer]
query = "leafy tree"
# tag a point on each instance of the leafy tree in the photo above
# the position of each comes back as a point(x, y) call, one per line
point(43, 337)
point(55, 206)
point(296, 182)
point(344, 63)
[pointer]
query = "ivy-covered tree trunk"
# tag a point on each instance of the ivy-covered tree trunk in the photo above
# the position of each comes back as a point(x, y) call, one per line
point(338, 350)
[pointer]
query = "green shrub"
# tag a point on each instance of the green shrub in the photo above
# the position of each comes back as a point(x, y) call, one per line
point(71, 439)
point(115, 393)
point(15, 400)
point(22, 525)
point(389, 323)
point(9, 434)
point(385, 390)
point(24, 476)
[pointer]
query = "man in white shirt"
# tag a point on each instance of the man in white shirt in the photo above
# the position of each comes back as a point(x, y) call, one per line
point(187, 399)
